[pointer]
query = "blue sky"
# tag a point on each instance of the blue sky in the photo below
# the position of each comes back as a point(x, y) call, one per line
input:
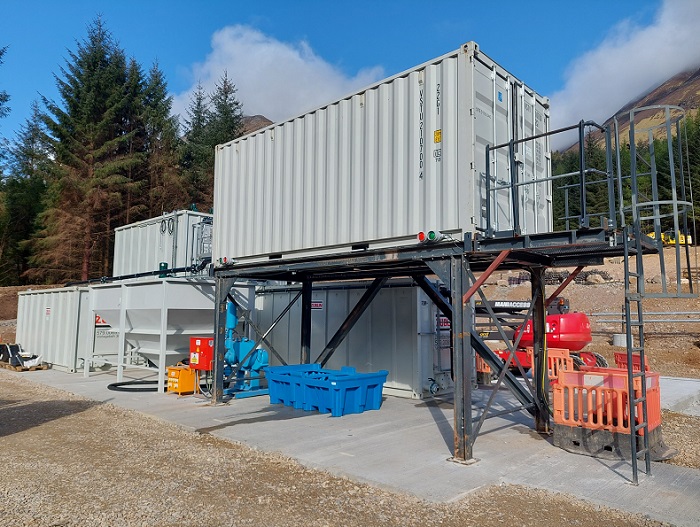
point(287, 57)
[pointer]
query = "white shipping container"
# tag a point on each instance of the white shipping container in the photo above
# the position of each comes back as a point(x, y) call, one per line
point(59, 325)
point(179, 239)
point(56, 324)
point(398, 332)
point(404, 155)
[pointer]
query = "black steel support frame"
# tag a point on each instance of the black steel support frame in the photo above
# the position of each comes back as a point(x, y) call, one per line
point(455, 264)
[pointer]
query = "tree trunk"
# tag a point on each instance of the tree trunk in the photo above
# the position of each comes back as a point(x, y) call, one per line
point(87, 249)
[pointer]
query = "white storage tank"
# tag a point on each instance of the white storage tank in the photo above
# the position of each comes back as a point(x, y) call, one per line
point(156, 318)
point(404, 155)
point(401, 332)
point(179, 239)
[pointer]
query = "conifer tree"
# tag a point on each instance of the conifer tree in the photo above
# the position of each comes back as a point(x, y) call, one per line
point(197, 157)
point(4, 110)
point(213, 120)
point(22, 195)
point(91, 140)
point(4, 97)
point(167, 190)
point(226, 122)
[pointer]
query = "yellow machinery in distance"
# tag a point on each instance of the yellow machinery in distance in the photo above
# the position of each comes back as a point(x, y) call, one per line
point(670, 238)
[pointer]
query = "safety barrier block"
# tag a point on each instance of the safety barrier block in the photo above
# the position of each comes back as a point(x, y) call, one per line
point(591, 413)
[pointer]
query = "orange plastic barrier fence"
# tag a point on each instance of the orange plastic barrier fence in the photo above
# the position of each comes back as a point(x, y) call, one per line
point(598, 399)
point(621, 361)
point(481, 365)
point(557, 359)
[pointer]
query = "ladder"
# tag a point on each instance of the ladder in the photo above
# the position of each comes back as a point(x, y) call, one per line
point(634, 293)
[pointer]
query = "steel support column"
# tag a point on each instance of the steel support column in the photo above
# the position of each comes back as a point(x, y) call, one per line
point(223, 286)
point(306, 290)
point(540, 376)
point(462, 322)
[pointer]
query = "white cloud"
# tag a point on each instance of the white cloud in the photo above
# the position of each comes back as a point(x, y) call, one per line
point(276, 79)
point(632, 60)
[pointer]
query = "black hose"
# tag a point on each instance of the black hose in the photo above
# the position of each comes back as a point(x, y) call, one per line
point(123, 386)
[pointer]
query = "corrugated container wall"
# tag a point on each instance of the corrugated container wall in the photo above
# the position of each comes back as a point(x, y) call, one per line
point(56, 324)
point(397, 333)
point(404, 155)
point(179, 238)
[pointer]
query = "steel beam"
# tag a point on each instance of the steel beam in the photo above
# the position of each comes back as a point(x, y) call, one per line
point(434, 294)
point(351, 320)
point(485, 275)
point(539, 355)
point(306, 290)
point(463, 360)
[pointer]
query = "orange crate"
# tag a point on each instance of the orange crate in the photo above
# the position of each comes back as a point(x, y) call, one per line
point(181, 380)
point(598, 399)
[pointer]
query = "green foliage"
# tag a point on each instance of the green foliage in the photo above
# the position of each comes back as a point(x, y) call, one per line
point(4, 110)
point(4, 97)
point(106, 153)
point(21, 200)
point(212, 120)
point(167, 189)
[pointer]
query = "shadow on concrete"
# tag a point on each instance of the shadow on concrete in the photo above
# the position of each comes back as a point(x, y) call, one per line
point(284, 413)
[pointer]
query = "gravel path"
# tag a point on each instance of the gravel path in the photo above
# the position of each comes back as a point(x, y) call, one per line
point(69, 461)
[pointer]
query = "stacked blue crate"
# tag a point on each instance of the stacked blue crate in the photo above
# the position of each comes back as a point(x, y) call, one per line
point(338, 392)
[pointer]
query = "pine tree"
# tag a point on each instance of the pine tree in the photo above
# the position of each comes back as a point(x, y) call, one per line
point(4, 110)
point(226, 122)
point(167, 190)
point(197, 157)
point(92, 143)
point(4, 97)
point(22, 198)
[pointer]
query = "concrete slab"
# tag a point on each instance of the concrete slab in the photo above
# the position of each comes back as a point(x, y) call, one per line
point(679, 394)
point(406, 445)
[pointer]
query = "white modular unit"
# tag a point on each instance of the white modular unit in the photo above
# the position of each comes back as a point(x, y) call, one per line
point(56, 324)
point(404, 155)
point(399, 332)
point(59, 325)
point(179, 239)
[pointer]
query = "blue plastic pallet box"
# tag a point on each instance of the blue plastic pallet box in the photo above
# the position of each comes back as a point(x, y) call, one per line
point(284, 383)
point(338, 392)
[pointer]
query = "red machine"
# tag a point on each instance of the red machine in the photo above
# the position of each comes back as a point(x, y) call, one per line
point(570, 331)
point(201, 353)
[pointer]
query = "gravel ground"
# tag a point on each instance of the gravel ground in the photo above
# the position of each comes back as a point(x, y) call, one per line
point(69, 461)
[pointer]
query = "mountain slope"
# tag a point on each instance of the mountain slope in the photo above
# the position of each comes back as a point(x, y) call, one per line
point(682, 90)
